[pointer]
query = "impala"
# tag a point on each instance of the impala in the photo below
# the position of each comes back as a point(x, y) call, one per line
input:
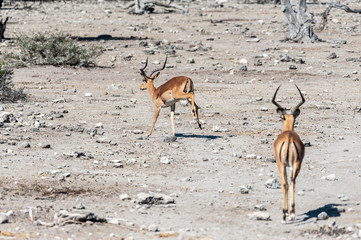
point(168, 94)
point(289, 152)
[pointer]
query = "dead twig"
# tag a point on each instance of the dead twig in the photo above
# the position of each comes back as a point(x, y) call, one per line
point(339, 6)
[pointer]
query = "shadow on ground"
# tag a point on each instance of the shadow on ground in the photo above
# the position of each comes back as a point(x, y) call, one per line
point(332, 210)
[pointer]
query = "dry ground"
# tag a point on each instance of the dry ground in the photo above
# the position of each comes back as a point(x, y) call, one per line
point(204, 177)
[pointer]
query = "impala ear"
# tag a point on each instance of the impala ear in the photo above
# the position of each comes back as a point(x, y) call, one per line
point(296, 113)
point(156, 75)
point(280, 111)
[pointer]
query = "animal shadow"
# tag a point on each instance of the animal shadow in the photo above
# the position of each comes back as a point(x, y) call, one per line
point(182, 135)
point(332, 210)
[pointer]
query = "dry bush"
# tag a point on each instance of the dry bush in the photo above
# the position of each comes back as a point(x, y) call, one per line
point(57, 49)
point(7, 91)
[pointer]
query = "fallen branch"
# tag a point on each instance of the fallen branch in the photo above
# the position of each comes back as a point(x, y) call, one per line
point(339, 6)
point(3, 28)
point(147, 7)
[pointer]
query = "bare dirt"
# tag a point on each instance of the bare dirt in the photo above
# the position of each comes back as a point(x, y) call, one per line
point(205, 175)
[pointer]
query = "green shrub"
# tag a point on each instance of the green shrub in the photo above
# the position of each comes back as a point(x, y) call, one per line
point(7, 91)
point(56, 49)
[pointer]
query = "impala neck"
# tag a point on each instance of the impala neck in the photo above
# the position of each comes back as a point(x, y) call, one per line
point(289, 123)
point(151, 89)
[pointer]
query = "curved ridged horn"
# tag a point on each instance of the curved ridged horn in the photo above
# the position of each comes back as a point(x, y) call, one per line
point(160, 69)
point(142, 69)
point(302, 101)
point(274, 97)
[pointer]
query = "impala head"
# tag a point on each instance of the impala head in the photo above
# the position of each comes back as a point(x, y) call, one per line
point(148, 79)
point(288, 115)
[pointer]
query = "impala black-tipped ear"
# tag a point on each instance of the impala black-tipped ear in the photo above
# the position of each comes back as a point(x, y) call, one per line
point(296, 113)
point(156, 75)
point(281, 112)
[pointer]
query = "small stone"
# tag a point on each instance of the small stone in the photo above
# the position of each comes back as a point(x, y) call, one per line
point(301, 193)
point(331, 177)
point(322, 216)
point(237, 155)
point(251, 156)
point(342, 197)
point(293, 67)
point(170, 139)
point(124, 196)
point(332, 56)
point(165, 160)
point(88, 94)
point(80, 206)
point(243, 68)
point(3, 218)
point(102, 140)
point(25, 145)
point(260, 207)
point(137, 131)
point(44, 145)
point(273, 183)
point(264, 141)
point(260, 216)
point(153, 228)
point(190, 60)
point(243, 189)
point(264, 109)
point(131, 161)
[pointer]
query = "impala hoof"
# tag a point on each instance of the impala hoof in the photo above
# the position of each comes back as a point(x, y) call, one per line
point(292, 217)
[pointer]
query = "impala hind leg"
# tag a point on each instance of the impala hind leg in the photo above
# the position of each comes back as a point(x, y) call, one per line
point(156, 114)
point(283, 175)
point(197, 113)
point(296, 170)
point(172, 109)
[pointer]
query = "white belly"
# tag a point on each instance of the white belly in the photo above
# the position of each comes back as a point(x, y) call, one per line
point(170, 102)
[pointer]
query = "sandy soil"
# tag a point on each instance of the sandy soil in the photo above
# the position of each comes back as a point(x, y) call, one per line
point(206, 173)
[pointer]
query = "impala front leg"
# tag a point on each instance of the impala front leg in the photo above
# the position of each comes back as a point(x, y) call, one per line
point(172, 109)
point(156, 114)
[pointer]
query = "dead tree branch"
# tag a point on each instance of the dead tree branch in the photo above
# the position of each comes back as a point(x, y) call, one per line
point(300, 22)
point(3, 28)
point(339, 6)
point(147, 7)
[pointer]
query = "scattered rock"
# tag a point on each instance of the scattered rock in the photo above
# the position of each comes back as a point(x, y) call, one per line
point(153, 228)
point(44, 145)
point(165, 160)
point(88, 94)
point(322, 216)
point(332, 56)
point(3, 218)
point(243, 189)
point(124, 196)
point(154, 199)
point(251, 156)
point(102, 140)
point(65, 216)
point(273, 183)
point(131, 161)
point(260, 207)
point(237, 155)
point(170, 139)
point(331, 177)
point(260, 216)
